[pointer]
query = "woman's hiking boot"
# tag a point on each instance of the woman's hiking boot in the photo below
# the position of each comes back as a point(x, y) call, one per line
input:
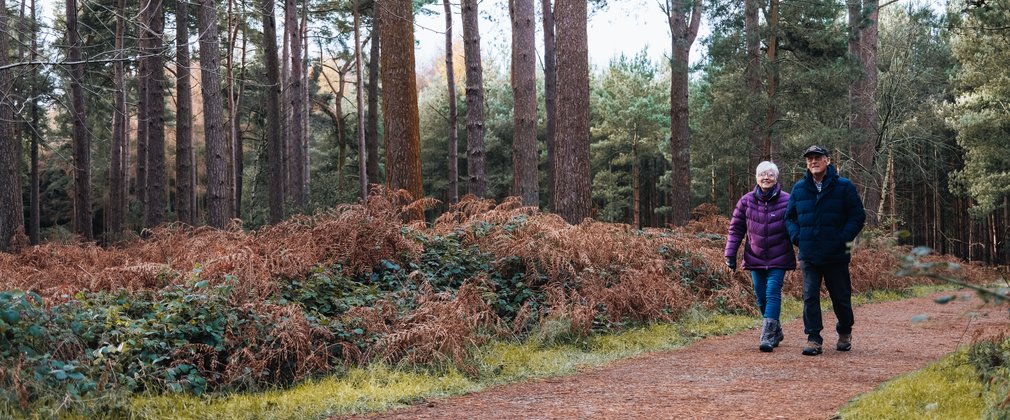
point(778, 334)
point(768, 330)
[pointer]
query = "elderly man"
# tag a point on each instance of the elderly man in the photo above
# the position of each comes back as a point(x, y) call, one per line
point(823, 217)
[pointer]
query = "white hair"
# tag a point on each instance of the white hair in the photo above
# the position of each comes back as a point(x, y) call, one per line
point(767, 166)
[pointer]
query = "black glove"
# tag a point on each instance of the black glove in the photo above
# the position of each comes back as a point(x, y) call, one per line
point(731, 263)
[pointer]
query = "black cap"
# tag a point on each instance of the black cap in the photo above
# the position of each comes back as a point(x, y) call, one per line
point(816, 150)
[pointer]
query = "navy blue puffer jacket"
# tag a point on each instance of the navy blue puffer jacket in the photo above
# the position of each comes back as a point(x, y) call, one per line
point(823, 223)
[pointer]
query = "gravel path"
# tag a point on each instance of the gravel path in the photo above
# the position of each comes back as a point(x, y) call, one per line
point(727, 377)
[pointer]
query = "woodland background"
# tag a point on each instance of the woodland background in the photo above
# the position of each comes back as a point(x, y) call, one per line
point(119, 116)
point(220, 197)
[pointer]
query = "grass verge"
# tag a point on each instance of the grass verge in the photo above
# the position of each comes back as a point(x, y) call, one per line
point(379, 388)
point(946, 389)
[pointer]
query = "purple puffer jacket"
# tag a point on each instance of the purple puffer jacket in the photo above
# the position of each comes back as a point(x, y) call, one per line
point(761, 219)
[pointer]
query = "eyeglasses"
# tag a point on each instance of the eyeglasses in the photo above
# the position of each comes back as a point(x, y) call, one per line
point(767, 175)
point(816, 158)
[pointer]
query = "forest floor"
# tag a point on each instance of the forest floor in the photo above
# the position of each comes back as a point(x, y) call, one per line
point(728, 377)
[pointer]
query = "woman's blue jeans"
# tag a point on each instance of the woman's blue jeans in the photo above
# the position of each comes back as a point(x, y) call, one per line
point(768, 288)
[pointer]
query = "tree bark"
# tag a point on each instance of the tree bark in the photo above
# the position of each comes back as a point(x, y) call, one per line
point(156, 174)
point(771, 142)
point(683, 34)
point(218, 200)
point(525, 177)
point(474, 100)
point(862, 92)
point(275, 145)
point(143, 82)
point(296, 163)
point(306, 103)
point(185, 156)
point(372, 122)
point(363, 155)
point(11, 210)
point(636, 186)
point(82, 141)
point(34, 216)
point(550, 91)
point(450, 80)
point(337, 115)
point(572, 189)
point(399, 99)
point(752, 76)
point(235, 89)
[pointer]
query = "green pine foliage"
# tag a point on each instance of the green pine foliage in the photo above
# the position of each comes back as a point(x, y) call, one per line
point(980, 117)
point(630, 122)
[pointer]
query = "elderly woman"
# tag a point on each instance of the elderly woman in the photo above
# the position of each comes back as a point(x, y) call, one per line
point(759, 217)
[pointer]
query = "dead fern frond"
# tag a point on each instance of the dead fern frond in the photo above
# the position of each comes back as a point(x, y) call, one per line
point(441, 329)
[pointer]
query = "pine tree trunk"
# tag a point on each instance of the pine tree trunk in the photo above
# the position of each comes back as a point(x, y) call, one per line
point(359, 88)
point(401, 120)
point(550, 92)
point(235, 88)
point(306, 105)
point(275, 145)
point(143, 79)
point(474, 100)
point(337, 115)
point(372, 122)
point(82, 141)
point(683, 35)
point(771, 142)
point(296, 162)
point(341, 125)
point(218, 201)
point(185, 156)
point(11, 210)
point(156, 173)
point(636, 186)
point(450, 79)
point(34, 216)
point(752, 76)
point(525, 153)
point(572, 189)
point(863, 120)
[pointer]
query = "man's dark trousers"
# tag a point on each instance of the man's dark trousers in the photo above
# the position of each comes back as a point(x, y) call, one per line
point(836, 279)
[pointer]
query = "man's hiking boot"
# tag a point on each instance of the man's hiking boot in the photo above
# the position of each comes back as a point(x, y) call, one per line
point(844, 342)
point(768, 342)
point(778, 335)
point(813, 348)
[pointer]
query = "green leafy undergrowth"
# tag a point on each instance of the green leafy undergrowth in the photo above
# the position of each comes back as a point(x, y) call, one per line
point(191, 339)
point(444, 264)
point(378, 388)
point(991, 359)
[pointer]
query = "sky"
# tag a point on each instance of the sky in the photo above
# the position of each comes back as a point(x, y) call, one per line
point(625, 26)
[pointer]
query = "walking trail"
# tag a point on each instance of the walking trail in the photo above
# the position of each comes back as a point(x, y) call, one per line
point(727, 377)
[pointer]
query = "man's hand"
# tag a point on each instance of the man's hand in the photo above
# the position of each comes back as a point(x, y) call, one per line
point(731, 263)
